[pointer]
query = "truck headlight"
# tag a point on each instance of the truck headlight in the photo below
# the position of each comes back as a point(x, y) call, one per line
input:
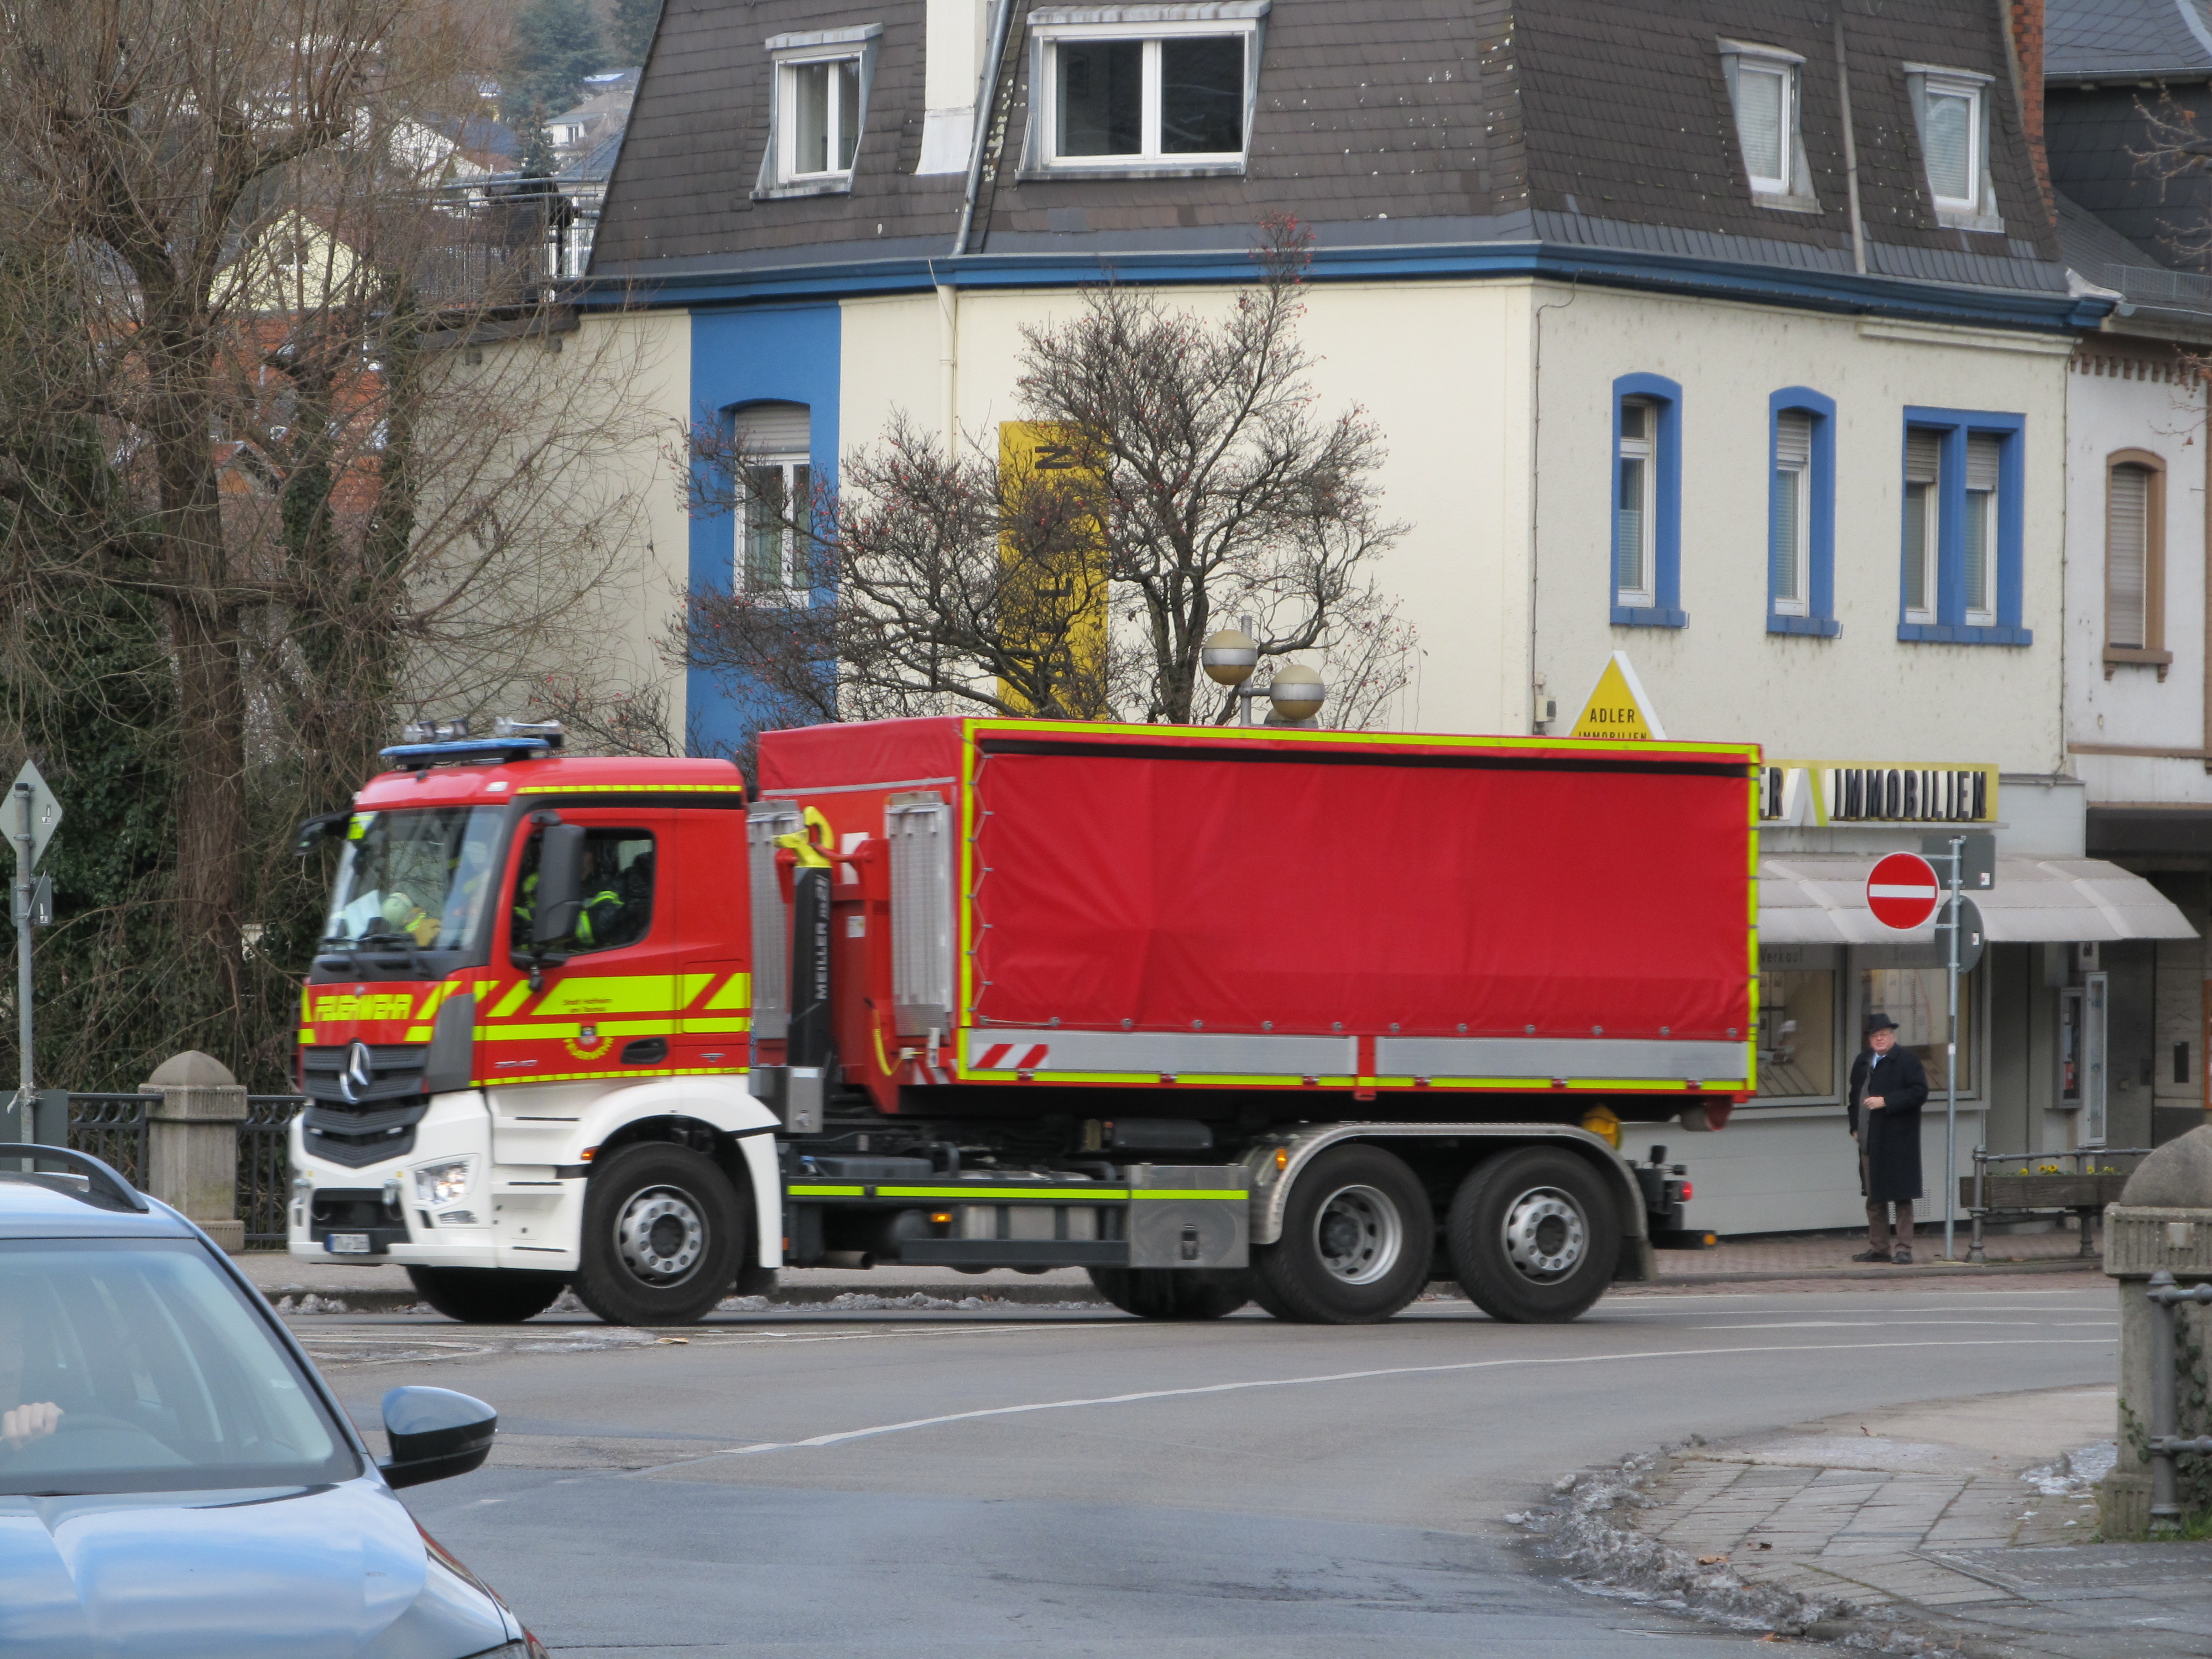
point(441, 1184)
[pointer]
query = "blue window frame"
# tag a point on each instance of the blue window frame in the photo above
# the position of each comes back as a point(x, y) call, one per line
point(1959, 543)
point(1801, 513)
point(1645, 549)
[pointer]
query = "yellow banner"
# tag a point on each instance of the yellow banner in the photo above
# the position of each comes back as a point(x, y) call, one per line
point(1053, 607)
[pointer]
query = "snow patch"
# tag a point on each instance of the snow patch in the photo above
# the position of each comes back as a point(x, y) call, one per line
point(2076, 1472)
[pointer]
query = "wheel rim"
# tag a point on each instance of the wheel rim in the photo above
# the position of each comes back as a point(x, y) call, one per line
point(1546, 1235)
point(661, 1236)
point(1357, 1235)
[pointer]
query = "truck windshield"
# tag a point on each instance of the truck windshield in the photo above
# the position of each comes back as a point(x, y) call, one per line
point(137, 1365)
point(420, 878)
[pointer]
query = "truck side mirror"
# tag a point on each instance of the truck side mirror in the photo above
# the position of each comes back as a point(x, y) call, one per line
point(560, 895)
point(436, 1434)
point(317, 830)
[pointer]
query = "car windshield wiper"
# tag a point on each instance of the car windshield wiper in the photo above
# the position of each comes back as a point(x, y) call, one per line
point(339, 944)
point(398, 942)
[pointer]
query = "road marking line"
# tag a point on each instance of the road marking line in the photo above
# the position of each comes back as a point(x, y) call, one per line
point(1876, 1324)
point(842, 1436)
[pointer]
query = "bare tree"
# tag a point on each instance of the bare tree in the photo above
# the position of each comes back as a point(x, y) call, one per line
point(335, 444)
point(1189, 483)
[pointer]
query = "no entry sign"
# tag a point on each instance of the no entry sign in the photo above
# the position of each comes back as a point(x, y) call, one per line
point(1903, 891)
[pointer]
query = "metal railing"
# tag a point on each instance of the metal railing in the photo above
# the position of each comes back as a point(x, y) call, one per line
point(264, 1167)
point(2154, 285)
point(2165, 1443)
point(113, 1128)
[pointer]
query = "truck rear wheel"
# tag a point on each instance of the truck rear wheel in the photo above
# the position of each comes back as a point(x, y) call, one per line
point(487, 1296)
point(1357, 1235)
point(663, 1234)
point(1533, 1237)
point(1174, 1293)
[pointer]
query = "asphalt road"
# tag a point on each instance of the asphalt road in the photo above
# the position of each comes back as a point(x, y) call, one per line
point(1078, 1484)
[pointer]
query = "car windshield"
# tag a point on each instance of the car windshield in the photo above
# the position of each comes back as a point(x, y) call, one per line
point(418, 878)
point(137, 1365)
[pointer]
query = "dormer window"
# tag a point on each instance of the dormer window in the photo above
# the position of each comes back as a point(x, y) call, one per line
point(818, 105)
point(1762, 83)
point(1159, 89)
point(1951, 109)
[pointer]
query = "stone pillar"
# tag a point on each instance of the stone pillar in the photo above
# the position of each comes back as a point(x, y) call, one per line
point(2163, 1220)
point(191, 1143)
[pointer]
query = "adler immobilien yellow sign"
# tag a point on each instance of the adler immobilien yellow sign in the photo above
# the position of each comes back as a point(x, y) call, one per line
point(1618, 708)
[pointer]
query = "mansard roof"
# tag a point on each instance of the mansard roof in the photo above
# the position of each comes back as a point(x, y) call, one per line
point(2127, 39)
point(1388, 126)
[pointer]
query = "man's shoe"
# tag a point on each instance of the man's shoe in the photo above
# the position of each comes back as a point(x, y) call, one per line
point(1904, 1257)
point(1871, 1255)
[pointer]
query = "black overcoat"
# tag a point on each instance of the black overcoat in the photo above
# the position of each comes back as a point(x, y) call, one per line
point(1890, 1138)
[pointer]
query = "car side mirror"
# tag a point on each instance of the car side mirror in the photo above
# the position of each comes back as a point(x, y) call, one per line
point(560, 895)
point(436, 1434)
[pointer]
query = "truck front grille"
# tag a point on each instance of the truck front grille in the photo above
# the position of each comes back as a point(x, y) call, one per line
point(378, 1121)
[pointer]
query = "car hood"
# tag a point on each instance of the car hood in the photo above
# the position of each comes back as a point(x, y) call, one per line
point(334, 1572)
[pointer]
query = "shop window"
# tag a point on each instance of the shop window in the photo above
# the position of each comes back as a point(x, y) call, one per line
point(1163, 89)
point(2134, 561)
point(1647, 497)
point(1796, 1033)
point(1801, 537)
point(1917, 998)
point(1961, 536)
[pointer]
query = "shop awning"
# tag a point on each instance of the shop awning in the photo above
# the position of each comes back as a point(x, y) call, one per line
point(1821, 900)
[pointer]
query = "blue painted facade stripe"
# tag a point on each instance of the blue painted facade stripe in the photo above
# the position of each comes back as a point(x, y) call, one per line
point(783, 354)
point(1875, 296)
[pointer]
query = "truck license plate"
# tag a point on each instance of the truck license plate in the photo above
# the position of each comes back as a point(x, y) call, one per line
point(348, 1244)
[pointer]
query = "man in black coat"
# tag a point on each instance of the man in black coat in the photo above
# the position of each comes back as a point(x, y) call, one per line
point(1888, 1085)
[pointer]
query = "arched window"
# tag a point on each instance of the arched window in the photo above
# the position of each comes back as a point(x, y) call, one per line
point(2134, 561)
point(774, 440)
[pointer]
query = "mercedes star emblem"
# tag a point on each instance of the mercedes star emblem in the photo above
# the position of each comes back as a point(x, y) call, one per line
point(359, 1072)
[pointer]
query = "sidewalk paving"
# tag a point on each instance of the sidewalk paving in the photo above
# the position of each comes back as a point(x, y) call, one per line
point(1965, 1525)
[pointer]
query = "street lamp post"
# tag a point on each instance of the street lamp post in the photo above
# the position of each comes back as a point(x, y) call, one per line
point(1231, 657)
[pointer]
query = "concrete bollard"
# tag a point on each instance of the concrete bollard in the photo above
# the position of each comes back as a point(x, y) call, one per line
point(2162, 1224)
point(191, 1143)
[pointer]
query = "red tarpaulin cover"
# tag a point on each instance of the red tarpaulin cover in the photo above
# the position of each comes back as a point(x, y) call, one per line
point(1164, 885)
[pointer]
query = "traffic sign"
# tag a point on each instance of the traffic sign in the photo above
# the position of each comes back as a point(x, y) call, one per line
point(46, 813)
point(1902, 891)
point(1978, 867)
point(1970, 932)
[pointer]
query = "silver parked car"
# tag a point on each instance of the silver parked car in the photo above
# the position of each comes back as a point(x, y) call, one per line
point(176, 1479)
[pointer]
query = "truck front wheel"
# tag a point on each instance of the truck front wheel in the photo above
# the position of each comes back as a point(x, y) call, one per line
point(1358, 1233)
point(1174, 1293)
point(664, 1234)
point(1533, 1237)
point(487, 1296)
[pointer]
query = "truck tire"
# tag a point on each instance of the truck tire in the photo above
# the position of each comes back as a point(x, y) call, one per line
point(663, 1234)
point(1532, 1236)
point(1357, 1235)
point(487, 1296)
point(1173, 1292)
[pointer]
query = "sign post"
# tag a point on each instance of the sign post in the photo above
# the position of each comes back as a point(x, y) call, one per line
point(28, 818)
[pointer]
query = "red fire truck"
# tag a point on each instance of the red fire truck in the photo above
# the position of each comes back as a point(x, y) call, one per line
point(1220, 1015)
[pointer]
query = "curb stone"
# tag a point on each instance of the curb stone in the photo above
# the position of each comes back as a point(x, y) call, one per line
point(1592, 1532)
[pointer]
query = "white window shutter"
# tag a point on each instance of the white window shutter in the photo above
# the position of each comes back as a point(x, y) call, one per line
point(1793, 438)
point(773, 431)
point(1924, 452)
point(1985, 452)
point(2127, 558)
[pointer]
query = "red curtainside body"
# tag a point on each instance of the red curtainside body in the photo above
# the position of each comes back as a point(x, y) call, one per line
point(1205, 908)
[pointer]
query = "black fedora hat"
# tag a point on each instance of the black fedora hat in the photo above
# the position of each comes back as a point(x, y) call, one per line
point(1880, 1023)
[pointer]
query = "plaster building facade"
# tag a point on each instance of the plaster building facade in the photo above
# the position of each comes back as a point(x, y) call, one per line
point(1740, 339)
